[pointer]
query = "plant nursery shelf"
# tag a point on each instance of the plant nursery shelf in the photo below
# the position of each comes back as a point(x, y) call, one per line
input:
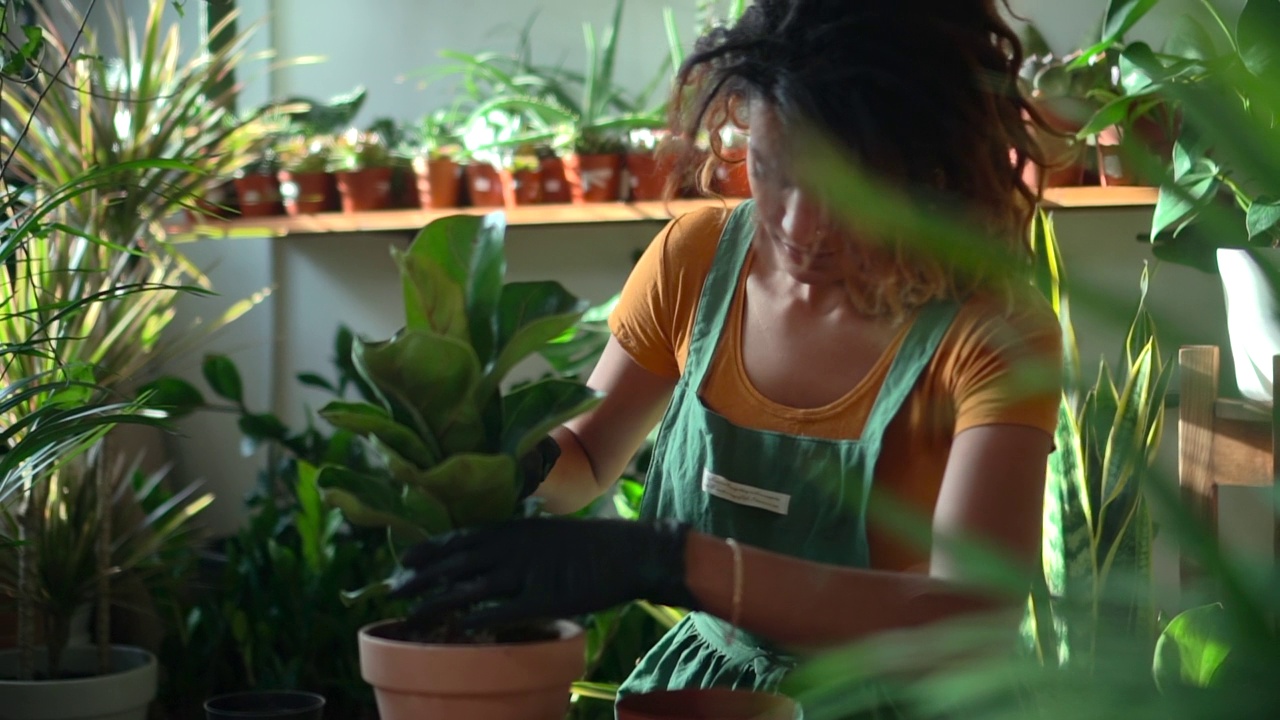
point(407, 220)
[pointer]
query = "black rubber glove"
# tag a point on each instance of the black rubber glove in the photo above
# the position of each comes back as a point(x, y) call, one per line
point(542, 568)
point(536, 465)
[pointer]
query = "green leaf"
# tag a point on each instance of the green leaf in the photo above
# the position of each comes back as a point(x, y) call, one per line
point(428, 511)
point(434, 378)
point(535, 409)
point(367, 420)
point(1258, 42)
point(1193, 648)
point(173, 395)
point(1121, 16)
point(530, 315)
point(469, 249)
point(474, 488)
point(221, 374)
point(432, 300)
point(367, 500)
point(263, 426)
point(1190, 39)
point(1263, 217)
point(316, 381)
point(1176, 203)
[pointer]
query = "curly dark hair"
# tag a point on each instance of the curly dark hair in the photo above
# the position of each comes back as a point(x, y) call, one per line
point(921, 93)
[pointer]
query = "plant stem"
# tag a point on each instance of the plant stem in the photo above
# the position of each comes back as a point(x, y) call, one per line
point(103, 548)
point(26, 580)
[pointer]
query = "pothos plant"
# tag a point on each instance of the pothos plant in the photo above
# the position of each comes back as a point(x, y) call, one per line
point(447, 438)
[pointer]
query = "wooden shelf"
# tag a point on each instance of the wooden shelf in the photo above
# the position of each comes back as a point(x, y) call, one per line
point(1100, 197)
point(411, 220)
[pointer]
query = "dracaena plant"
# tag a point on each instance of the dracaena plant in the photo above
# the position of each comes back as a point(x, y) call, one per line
point(448, 434)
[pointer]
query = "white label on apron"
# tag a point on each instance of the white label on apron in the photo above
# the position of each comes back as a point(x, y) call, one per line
point(755, 497)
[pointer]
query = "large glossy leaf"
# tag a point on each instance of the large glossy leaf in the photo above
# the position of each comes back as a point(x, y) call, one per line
point(473, 488)
point(1122, 15)
point(1190, 39)
point(1264, 216)
point(530, 315)
point(535, 409)
point(367, 500)
point(1256, 33)
point(1193, 648)
point(368, 420)
point(434, 377)
point(1175, 203)
point(432, 299)
point(469, 249)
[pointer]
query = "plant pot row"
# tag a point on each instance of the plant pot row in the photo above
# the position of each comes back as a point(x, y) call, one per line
point(444, 183)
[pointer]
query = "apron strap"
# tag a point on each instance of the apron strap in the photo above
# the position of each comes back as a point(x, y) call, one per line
point(913, 356)
point(718, 291)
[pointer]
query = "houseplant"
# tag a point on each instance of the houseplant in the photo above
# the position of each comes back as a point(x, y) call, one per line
point(251, 625)
point(258, 192)
point(1216, 209)
point(449, 441)
point(306, 183)
point(363, 164)
point(435, 160)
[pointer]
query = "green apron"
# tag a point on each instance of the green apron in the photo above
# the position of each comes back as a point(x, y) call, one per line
point(803, 496)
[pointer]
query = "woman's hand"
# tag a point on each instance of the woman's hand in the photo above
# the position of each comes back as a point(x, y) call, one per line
point(546, 568)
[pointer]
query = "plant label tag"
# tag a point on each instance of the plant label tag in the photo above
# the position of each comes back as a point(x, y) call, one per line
point(740, 494)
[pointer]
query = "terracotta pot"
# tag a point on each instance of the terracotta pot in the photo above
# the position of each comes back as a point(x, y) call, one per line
point(259, 195)
point(732, 180)
point(439, 182)
point(218, 203)
point(647, 175)
point(364, 190)
point(555, 183)
point(522, 187)
point(1113, 169)
point(262, 704)
point(404, 188)
point(485, 186)
point(519, 681)
point(711, 704)
point(594, 178)
point(309, 193)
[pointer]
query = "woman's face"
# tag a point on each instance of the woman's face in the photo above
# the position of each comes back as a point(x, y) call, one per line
point(795, 227)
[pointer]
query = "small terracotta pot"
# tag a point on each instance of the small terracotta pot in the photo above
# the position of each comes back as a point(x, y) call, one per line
point(732, 180)
point(309, 193)
point(485, 185)
point(364, 190)
point(522, 187)
point(439, 182)
point(259, 195)
point(710, 704)
point(555, 183)
point(518, 681)
point(594, 178)
point(647, 175)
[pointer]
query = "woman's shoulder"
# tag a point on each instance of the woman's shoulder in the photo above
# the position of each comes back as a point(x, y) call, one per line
point(1005, 326)
point(694, 236)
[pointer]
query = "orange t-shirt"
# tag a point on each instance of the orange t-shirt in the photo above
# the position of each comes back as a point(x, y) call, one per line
point(993, 366)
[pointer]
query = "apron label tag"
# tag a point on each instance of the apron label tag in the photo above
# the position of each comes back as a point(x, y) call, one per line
point(739, 494)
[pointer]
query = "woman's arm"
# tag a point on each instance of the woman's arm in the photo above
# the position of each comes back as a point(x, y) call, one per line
point(596, 447)
point(992, 491)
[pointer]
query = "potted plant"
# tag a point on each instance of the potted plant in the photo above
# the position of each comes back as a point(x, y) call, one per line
point(449, 440)
point(258, 187)
point(648, 172)
point(490, 137)
point(364, 166)
point(435, 162)
point(306, 183)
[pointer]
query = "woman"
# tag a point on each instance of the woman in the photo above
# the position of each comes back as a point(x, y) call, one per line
point(798, 364)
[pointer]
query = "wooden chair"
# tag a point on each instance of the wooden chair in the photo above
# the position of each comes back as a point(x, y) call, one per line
point(1221, 441)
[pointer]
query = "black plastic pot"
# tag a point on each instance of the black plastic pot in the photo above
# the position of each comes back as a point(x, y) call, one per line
point(274, 704)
